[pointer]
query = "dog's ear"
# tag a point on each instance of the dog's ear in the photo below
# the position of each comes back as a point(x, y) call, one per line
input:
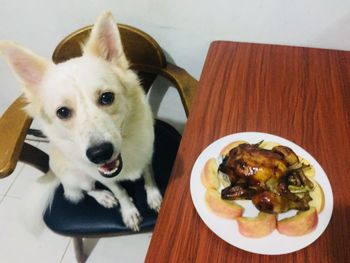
point(105, 42)
point(28, 67)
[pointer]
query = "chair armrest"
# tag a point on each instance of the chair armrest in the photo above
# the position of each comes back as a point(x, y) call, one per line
point(14, 124)
point(183, 81)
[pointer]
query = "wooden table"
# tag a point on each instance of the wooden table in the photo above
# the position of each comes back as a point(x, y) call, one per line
point(301, 94)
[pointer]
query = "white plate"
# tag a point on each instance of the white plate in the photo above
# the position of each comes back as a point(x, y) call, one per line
point(227, 229)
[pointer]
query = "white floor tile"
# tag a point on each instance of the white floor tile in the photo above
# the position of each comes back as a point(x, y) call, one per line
point(26, 176)
point(17, 245)
point(24, 180)
point(5, 183)
point(126, 249)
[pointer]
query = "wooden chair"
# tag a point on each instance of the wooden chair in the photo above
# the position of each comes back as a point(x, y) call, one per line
point(148, 60)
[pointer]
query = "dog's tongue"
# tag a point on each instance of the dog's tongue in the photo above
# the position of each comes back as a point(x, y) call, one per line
point(112, 168)
point(109, 166)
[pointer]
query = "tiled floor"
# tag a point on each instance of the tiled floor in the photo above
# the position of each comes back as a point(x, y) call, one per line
point(17, 245)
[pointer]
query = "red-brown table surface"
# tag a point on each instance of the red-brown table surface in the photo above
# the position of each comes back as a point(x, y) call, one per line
point(301, 94)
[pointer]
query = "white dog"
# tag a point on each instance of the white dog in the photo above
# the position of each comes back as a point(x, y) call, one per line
point(97, 119)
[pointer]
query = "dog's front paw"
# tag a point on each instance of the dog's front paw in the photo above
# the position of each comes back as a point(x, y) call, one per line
point(131, 218)
point(104, 198)
point(73, 196)
point(154, 198)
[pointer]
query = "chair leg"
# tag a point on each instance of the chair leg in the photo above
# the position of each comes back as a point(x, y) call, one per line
point(79, 249)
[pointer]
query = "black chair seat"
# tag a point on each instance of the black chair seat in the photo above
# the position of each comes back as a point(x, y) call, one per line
point(88, 218)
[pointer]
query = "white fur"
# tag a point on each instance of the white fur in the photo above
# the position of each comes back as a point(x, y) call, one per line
point(77, 84)
point(36, 201)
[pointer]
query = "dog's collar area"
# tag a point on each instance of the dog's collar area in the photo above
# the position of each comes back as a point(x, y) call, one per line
point(112, 168)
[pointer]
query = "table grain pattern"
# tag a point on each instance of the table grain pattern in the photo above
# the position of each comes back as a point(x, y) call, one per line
point(301, 94)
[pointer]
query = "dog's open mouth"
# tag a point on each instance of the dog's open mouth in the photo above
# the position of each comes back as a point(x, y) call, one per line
point(112, 168)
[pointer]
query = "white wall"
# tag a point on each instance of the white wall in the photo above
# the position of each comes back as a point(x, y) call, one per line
point(184, 28)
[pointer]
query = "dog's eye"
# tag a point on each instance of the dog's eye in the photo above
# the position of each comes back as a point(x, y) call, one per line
point(106, 98)
point(64, 113)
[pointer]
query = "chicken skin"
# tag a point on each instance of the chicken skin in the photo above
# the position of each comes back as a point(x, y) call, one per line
point(270, 178)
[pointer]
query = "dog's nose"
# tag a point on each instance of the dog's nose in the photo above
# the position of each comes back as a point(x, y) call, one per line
point(101, 153)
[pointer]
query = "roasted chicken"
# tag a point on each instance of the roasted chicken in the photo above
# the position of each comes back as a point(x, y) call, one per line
point(273, 179)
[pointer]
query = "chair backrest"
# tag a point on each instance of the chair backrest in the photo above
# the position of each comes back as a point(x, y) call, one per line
point(140, 49)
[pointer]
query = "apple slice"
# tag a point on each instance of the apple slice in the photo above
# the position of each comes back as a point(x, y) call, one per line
point(220, 207)
point(209, 175)
point(230, 146)
point(317, 196)
point(300, 224)
point(259, 226)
